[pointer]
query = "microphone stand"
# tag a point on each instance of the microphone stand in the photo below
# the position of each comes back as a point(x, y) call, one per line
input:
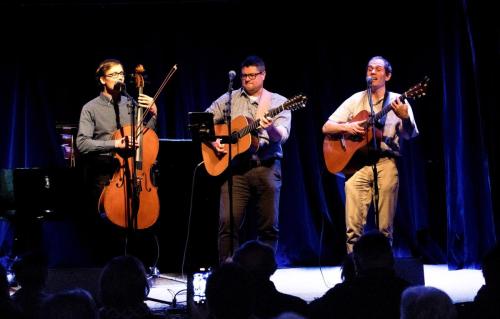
point(132, 219)
point(134, 186)
point(375, 152)
point(227, 116)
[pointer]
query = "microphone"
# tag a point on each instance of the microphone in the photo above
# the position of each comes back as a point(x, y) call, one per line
point(369, 80)
point(232, 75)
point(120, 87)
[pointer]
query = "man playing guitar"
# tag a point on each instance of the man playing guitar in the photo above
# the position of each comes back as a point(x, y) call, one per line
point(353, 128)
point(256, 176)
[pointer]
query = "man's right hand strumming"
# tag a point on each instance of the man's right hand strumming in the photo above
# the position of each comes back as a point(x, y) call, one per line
point(355, 128)
point(219, 147)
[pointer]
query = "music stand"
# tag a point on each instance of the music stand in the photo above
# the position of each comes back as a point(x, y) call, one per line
point(201, 125)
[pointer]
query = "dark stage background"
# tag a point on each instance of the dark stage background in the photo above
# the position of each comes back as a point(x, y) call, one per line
point(448, 211)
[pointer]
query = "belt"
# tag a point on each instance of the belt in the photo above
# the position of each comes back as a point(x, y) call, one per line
point(265, 162)
point(379, 155)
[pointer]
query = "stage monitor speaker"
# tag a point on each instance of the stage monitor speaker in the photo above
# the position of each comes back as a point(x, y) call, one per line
point(410, 269)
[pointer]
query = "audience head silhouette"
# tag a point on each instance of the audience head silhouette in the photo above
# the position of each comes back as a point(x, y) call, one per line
point(4, 284)
point(257, 258)
point(486, 303)
point(491, 266)
point(419, 302)
point(7, 307)
point(230, 293)
point(31, 274)
point(348, 271)
point(372, 251)
point(290, 315)
point(123, 287)
point(75, 304)
point(31, 271)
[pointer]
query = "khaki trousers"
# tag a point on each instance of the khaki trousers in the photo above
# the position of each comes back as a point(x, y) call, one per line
point(359, 197)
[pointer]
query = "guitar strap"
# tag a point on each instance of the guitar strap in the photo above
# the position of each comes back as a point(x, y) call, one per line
point(264, 103)
point(262, 109)
point(379, 124)
point(386, 102)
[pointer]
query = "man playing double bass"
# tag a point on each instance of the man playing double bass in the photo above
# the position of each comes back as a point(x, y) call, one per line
point(99, 119)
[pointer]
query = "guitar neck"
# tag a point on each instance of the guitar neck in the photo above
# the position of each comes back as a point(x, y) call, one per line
point(387, 108)
point(249, 128)
point(414, 92)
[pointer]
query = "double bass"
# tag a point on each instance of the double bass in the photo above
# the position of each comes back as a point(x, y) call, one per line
point(130, 200)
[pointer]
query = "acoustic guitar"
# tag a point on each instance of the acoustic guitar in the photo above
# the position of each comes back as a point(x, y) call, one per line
point(346, 153)
point(243, 135)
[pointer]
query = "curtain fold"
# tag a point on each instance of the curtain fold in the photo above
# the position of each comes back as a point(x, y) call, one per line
point(471, 230)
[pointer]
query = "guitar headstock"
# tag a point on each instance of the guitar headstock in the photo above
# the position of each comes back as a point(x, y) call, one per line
point(295, 103)
point(418, 90)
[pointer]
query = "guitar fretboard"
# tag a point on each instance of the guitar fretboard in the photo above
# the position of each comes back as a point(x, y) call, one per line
point(387, 108)
point(292, 104)
point(256, 123)
point(414, 92)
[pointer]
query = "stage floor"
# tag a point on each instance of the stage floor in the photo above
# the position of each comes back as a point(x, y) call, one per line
point(312, 282)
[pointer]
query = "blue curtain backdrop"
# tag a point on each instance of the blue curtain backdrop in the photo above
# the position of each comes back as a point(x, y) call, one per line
point(466, 162)
point(446, 212)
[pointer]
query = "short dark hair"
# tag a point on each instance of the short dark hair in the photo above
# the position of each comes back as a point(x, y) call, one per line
point(373, 250)
point(491, 266)
point(31, 270)
point(123, 281)
point(230, 292)
point(74, 303)
point(426, 302)
point(387, 64)
point(103, 67)
point(257, 258)
point(254, 60)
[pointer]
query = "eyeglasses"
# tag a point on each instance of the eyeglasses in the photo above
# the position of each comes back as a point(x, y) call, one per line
point(115, 74)
point(250, 76)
